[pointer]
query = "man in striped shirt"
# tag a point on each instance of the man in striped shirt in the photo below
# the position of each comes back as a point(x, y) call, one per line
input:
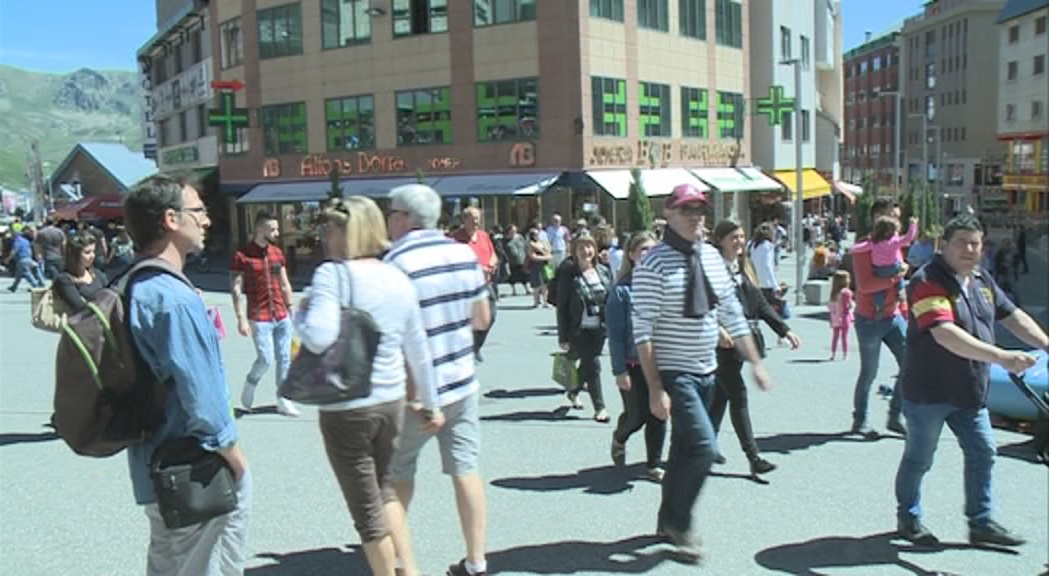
point(682, 292)
point(453, 297)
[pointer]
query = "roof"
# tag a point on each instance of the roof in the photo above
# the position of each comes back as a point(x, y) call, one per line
point(1017, 8)
point(126, 166)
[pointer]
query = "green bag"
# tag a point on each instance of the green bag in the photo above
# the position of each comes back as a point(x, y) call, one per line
point(548, 272)
point(565, 372)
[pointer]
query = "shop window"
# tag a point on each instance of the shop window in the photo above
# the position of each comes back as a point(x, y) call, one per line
point(412, 17)
point(231, 43)
point(240, 146)
point(610, 9)
point(284, 129)
point(507, 109)
point(345, 23)
point(280, 31)
point(424, 116)
point(350, 123)
point(609, 106)
point(654, 106)
point(729, 23)
point(652, 14)
point(692, 18)
point(488, 12)
point(694, 111)
point(731, 112)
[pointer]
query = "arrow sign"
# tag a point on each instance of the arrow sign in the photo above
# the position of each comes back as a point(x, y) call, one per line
point(775, 105)
point(235, 85)
point(229, 117)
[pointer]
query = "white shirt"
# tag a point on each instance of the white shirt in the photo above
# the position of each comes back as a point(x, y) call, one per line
point(764, 257)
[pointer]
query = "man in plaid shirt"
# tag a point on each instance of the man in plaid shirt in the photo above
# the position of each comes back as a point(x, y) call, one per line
point(259, 271)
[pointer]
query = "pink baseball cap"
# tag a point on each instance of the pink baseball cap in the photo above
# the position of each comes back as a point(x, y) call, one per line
point(685, 194)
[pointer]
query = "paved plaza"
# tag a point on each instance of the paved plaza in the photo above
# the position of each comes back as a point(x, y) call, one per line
point(556, 504)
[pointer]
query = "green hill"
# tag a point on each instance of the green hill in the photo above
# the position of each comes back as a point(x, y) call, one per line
point(59, 110)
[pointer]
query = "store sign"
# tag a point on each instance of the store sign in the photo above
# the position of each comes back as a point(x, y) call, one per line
point(522, 155)
point(181, 155)
point(316, 165)
point(190, 88)
point(1025, 180)
point(149, 129)
point(663, 153)
point(271, 168)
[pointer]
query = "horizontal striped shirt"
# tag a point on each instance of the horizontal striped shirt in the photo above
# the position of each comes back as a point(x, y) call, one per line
point(680, 343)
point(448, 280)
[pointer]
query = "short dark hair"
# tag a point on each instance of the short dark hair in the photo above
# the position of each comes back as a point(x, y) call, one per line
point(881, 206)
point(146, 204)
point(263, 216)
point(963, 222)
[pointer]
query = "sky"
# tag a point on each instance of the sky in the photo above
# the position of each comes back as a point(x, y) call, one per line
point(65, 35)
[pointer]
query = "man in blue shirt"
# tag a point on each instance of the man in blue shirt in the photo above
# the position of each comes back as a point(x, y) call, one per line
point(175, 338)
point(21, 261)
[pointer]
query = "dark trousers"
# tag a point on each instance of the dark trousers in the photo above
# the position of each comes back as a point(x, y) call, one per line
point(586, 345)
point(731, 392)
point(636, 413)
point(481, 335)
point(1021, 258)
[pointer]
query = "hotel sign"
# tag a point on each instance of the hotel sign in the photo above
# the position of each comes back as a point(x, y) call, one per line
point(1025, 181)
point(321, 165)
point(663, 153)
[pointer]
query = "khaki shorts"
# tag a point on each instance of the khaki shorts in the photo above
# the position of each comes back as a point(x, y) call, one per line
point(459, 440)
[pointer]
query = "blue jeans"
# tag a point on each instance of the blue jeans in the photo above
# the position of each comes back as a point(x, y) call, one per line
point(871, 334)
point(972, 427)
point(271, 337)
point(693, 446)
point(27, 268)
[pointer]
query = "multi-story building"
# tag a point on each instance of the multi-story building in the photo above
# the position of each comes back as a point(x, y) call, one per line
point(830, 88)
point(871, 96)
point(949, 62)
point(482, 99)
point(1023, 94)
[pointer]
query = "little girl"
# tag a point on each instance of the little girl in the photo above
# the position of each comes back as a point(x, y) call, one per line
point(840, 308)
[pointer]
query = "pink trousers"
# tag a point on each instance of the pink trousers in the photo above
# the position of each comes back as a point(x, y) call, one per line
point(843, 333)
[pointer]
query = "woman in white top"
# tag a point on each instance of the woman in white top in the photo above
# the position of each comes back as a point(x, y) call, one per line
point(763, 256)
point(359, 435)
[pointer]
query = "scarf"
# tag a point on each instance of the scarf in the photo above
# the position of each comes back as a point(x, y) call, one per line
point(699, 296)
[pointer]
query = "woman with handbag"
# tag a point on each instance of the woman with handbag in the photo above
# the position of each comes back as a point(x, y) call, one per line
point(80, 281)
point(731, 391)
point(582, 288)
point(539, 257)
point(360, 435)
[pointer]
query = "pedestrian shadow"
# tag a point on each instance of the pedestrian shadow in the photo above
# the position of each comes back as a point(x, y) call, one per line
point(844, 551)
point(518, 307)
point(635, 555)
point(25, 438)
point(603, 480)
point(821, 315)
point(1024, 451)
point(558, 415)
point(808, 361)
point(319, 562)
point(787, 443)
point(239, 413)
point(503, 394)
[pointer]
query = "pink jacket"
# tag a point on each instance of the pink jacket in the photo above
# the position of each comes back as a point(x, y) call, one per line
point(887, 252)
point(841, 310)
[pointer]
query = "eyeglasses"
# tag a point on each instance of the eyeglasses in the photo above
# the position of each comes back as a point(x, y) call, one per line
point(691, 210)
point(196, 210)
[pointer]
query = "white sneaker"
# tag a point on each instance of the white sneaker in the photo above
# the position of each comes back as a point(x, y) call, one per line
point(286, 408)
point(247, 396)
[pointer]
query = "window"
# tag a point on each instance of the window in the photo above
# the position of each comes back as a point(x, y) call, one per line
point(692, 18)
point(280, 31)
point(424, 116)
point(196, 45)
point(731, 115)
point(863, 67)
point(163, 137)
point(610, 9)
point(787, 126)
point(1039, 26)
point(1014, 34)
point(177, 54)
point(411, 17)
point(488, 12)
point(507, 109)
point(729, 23)
point(284, 129)
point(238, 147)
point(784, 43)
point(652, 14)
point(930, 107)
point(930, 43)
point(876, 63)
point(694, 110)
point(654, 105)
point(1036, 110)
point(1011, 73)
point(202, 121)
point(345, 23)
point(806, 59)
point(609, 106)
point(1039, 65)
point(1010, 112)
point(349, 123)
point(231, 43)
point(930, 75)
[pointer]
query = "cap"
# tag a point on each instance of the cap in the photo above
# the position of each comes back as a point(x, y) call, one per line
point(685, 194)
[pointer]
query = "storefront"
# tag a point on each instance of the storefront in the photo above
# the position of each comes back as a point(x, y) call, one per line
point(814, 187)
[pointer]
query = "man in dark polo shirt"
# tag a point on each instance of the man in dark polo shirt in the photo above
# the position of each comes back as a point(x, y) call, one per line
point(950, 345)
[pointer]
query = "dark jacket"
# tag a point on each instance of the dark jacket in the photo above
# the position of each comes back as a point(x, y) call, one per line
point(755, 307)
point(571, 300)
point(78, 295)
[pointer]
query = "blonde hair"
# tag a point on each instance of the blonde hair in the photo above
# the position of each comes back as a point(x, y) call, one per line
point(362, 225)
point(839, 282)
point(626, 269)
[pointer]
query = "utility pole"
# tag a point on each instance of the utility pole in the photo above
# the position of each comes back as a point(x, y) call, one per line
point(36, 181)
point(799, 244)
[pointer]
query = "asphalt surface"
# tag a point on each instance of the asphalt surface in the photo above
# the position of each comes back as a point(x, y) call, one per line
point(556, 504)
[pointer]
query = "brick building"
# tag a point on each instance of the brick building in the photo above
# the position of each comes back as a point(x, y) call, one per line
point(871, 87)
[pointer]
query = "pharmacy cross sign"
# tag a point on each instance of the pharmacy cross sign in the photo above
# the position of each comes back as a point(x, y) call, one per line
point(775, 105)
point(229, 117)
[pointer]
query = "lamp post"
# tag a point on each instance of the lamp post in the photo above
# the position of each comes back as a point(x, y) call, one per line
point(925, 158)
point(799, 276)
point(896, 141)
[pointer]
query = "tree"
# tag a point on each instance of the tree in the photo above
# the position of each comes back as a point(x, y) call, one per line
point(861, 211)
point(638, 207)
point(335, 192)
point(918, 194)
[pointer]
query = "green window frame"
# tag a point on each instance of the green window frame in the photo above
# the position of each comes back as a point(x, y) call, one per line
point(280, 31)
point(653, 14)
point(492, 12)
point(608, 9)
point(608, 100)
point(654, 107)
point(692, 18)
point(345, 23)
point(695, 112)
point(424, 116)
point(284, 129)
point(414, 17)
point(729, 23)
point(731, 114)
point(349, 123)
point(507, 109)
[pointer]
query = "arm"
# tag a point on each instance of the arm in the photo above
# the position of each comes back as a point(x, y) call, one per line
point(417, 354)
point(731, 315)
point(480, 311)
point(912, 233)
point(318, 324)
point(285, 288)
point(236, 280)
point(1026, 329)
point(66, 289)
point(565, 291)
point(765, 312)
point(493, 261)
point(961, 343)
point(617, 312)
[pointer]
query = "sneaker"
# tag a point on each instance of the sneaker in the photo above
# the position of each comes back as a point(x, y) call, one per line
point(684, 543)
point(896, 425)
point(286, 408)
point(885, 391)
point(478, 359)
point(460, 569)
point(618, 453)
point(655, 474)
point(994, 534)
point(247, 396)
point(914, 531)
point(759, 465)
point(720, 459)
point(865, 430)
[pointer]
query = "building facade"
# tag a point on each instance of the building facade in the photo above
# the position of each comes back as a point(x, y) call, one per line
point(872, 72)
point(830, 88)
point(1023, 94)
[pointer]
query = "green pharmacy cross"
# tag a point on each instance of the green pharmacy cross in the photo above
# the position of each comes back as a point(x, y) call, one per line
point(229, 117)
point(775, 105)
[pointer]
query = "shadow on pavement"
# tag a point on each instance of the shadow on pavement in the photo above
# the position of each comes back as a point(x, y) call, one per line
point(604, 480)
point(558, 415)
point(822, 315)
point(516, 307)
point(787, 443)
point(569, 557)
point(808, 361)
point(503, 394)
point(23, 438)
point(844, 551)
point(239, 413)
point(1022, 451)
point(320, 562)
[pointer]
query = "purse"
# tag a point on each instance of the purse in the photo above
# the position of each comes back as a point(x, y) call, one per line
point(50, 313)
point(343, 371)
point(192, 485)
point(565, 371)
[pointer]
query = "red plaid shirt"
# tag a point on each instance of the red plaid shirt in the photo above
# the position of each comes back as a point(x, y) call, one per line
point(262, 271)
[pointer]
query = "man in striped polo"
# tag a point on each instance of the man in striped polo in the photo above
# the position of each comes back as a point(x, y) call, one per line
point(453, 296)
point(682, 292)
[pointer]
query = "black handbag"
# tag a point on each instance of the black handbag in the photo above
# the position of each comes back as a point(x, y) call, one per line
point(192, 485)
point(343, 371)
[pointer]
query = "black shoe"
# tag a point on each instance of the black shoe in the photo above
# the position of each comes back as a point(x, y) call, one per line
point(759, 465)
point(994, 534)
point(914, 531)
point(478, 359)
point(618, 453)
point(720, 459)
point(865, 430)
point(461, 570)
point(895, 424)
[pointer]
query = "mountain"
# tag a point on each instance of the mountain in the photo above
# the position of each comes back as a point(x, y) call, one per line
point(59, 110)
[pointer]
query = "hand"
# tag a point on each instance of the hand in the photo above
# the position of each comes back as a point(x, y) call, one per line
point(914, 220)
point(795, 342)
point(432, 421)
point(724, 340)
point(243, 327)
point(761, 377)
point(1016, 362)
point(659, 404)
point(238, 463)
point(564, 346)
point(623, 382)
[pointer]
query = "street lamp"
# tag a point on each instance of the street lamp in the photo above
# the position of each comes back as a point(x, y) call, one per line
point(925, 157)
point(799, 277)
point(896, 141)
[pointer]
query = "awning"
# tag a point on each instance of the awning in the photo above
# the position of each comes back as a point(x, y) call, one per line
point(745, 179)
point(505, 184)
point(658, 182)
point(813, 185)
point(317, 190)
point(92, 208)
point(850, 191)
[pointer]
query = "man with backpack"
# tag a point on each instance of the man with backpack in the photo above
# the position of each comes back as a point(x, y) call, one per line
point(175, 339)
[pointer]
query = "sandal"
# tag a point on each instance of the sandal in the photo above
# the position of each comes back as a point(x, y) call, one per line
point(601, 416)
